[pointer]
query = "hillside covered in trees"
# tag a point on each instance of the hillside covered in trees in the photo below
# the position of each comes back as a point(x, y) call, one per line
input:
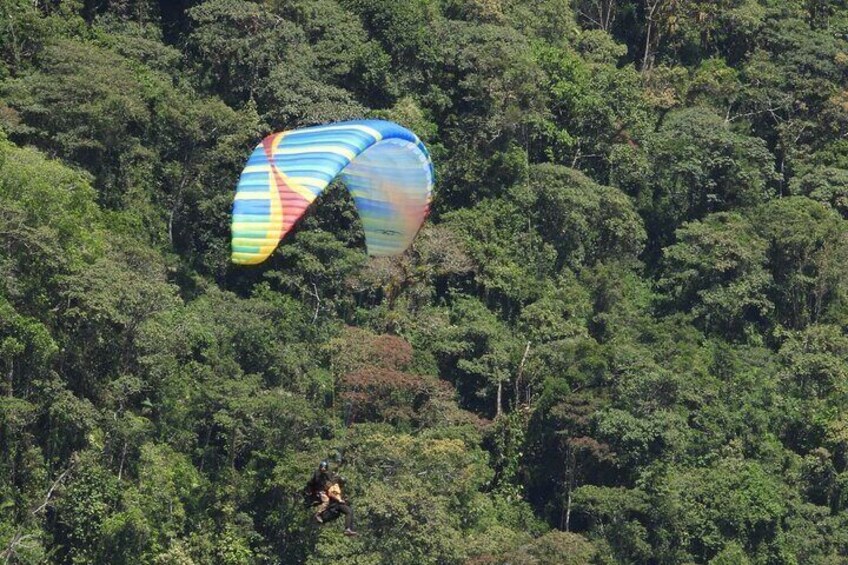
point(620, 337)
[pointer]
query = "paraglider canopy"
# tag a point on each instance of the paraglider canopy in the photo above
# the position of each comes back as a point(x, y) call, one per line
point(385, 167)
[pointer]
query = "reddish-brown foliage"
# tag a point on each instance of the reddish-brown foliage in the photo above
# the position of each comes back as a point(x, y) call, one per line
point(358, 348)
point(391, 352)
point(598, 450)
point(381, 394)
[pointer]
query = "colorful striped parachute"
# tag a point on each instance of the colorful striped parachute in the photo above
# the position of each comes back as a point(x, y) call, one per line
point(385, 167)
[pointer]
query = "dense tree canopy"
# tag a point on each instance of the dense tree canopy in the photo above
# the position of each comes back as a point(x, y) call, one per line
point(620, 338)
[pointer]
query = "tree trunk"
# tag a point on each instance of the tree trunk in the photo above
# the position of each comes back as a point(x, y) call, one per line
point(123, 458)
point(500, 395)
point(520, 374)
point(570, 479)
point(651, 6)
point(205, 447)
point(605, 11)
point(233, 448)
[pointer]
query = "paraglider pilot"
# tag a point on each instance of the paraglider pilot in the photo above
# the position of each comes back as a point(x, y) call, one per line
point(317, 487)
point(325, 488)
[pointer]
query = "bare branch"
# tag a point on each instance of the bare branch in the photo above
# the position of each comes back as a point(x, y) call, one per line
point(53, 487)
point(317, 302)
point(19, 537)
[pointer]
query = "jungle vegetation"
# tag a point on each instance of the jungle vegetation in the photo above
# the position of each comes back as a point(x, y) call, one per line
point(619, 339)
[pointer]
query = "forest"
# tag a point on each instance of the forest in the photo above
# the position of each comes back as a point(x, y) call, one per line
point(619, 338)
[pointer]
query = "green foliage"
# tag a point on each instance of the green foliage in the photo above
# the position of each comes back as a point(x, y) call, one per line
point(593, 103)
point(554, 547)
point(805, 249)
point(699, 165)
point(83, 513)
point(258, 56)
point(717, 270)
point(734, 500)
point(583, 221)
point(85, 103)
point(409, 488)
point(511, 258)
point(620, 338)
point(50, 226)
